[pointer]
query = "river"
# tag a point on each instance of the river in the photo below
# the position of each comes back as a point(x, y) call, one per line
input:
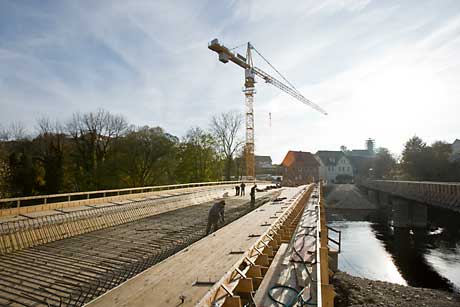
point(420, 257)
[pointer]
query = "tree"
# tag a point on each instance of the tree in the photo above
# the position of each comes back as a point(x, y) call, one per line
point(383, 164)
point(146, 157)
point(50, 153)
point(413, 159)
point(440, 168)
point(198, 158)
point(93, 134)
point(226, 128)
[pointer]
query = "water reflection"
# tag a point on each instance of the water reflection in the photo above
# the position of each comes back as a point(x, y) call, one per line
point(422, 257)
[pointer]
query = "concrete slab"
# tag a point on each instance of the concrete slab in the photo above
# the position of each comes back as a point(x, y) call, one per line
point(12, 218)
point(122, 202)
point(74, 209)
point(38, 214)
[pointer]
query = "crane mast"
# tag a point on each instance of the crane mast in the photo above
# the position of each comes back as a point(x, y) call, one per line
point(250, 71)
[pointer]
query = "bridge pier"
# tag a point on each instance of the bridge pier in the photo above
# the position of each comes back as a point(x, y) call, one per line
point(419, 214)
point(373, 196)
point(408, 213)
point(384, 199)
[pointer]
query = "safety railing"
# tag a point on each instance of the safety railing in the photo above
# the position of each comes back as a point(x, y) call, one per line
point(46, 199)
point(337, 242)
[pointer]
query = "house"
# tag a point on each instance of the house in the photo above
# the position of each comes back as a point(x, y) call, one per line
point(264, 167)
point(361, 159)
point(263, 162)
point(337, 167)
point(369, 152)
point(455, 155)
point(299, 168)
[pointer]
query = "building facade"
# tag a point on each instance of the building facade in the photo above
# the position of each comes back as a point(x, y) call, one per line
point(336, 167)
point(299, 168)
point(455, 155)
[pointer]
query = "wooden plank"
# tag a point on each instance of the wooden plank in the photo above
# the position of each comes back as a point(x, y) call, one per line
point(207, 259)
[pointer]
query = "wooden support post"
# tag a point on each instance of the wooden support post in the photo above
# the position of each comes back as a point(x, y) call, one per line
point(324, 267)
point(327, 295)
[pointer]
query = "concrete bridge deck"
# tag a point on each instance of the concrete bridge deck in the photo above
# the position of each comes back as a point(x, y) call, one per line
point(442, 194)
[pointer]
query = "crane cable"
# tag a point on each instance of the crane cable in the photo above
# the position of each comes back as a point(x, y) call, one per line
point(276, 70)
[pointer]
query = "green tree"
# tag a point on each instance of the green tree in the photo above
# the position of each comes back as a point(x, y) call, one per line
point(414, 157)
point(49, 147)
point(93, 134)
point(383, 164)
point(198, 159)
point(147, 157)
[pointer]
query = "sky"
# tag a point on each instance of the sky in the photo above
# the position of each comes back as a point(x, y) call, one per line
point(386, 70)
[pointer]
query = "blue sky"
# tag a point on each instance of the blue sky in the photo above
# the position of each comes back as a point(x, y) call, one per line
point(382, 69)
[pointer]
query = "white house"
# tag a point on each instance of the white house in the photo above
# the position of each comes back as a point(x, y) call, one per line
point(335, 163)
point(455, 155)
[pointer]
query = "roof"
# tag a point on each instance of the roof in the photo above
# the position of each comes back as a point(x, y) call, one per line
point(457, 141)
point(266, 159)
point(360, 152)
point(299, 157)
point(329, 157)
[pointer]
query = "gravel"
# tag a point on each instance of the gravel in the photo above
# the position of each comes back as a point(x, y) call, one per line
point(346, 196)
point(356, 291)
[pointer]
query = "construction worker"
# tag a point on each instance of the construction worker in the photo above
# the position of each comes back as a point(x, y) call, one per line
point(242, 186)
point(253, 195)
point(216, 213)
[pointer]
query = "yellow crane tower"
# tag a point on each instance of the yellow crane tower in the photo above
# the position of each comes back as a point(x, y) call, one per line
point(250, 71)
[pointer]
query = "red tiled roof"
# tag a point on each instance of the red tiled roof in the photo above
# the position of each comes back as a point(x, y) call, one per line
point(299, 157)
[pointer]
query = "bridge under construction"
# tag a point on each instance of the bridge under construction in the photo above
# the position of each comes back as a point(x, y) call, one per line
point(147, 247)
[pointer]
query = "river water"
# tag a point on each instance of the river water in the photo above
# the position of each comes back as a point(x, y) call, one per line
point(420, 257)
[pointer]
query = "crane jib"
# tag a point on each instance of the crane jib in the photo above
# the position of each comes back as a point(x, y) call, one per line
point(226, 55)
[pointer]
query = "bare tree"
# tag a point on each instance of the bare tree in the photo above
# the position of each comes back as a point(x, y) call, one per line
point(226, 129)
point(93, 133)
point(15, 131)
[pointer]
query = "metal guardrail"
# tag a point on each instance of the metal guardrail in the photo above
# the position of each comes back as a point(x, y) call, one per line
point(443, 194)
point(337, 242)
point(68, 197)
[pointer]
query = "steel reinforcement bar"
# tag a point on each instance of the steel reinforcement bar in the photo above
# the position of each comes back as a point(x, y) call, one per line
point(236, 287)
point(21, 205)
point(19, 234)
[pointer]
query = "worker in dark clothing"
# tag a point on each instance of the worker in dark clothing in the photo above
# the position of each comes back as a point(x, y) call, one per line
point(253, 195)
point(216, 213)
point(242, 185)
point(237, 189)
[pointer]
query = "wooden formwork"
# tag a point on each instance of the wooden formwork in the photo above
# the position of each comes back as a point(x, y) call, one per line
point(237, 286)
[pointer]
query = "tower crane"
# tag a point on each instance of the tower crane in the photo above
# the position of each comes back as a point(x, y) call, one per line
point(250, 71)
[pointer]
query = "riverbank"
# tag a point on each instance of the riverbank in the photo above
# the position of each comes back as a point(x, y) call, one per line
point(356, 291)
point(346, 196)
